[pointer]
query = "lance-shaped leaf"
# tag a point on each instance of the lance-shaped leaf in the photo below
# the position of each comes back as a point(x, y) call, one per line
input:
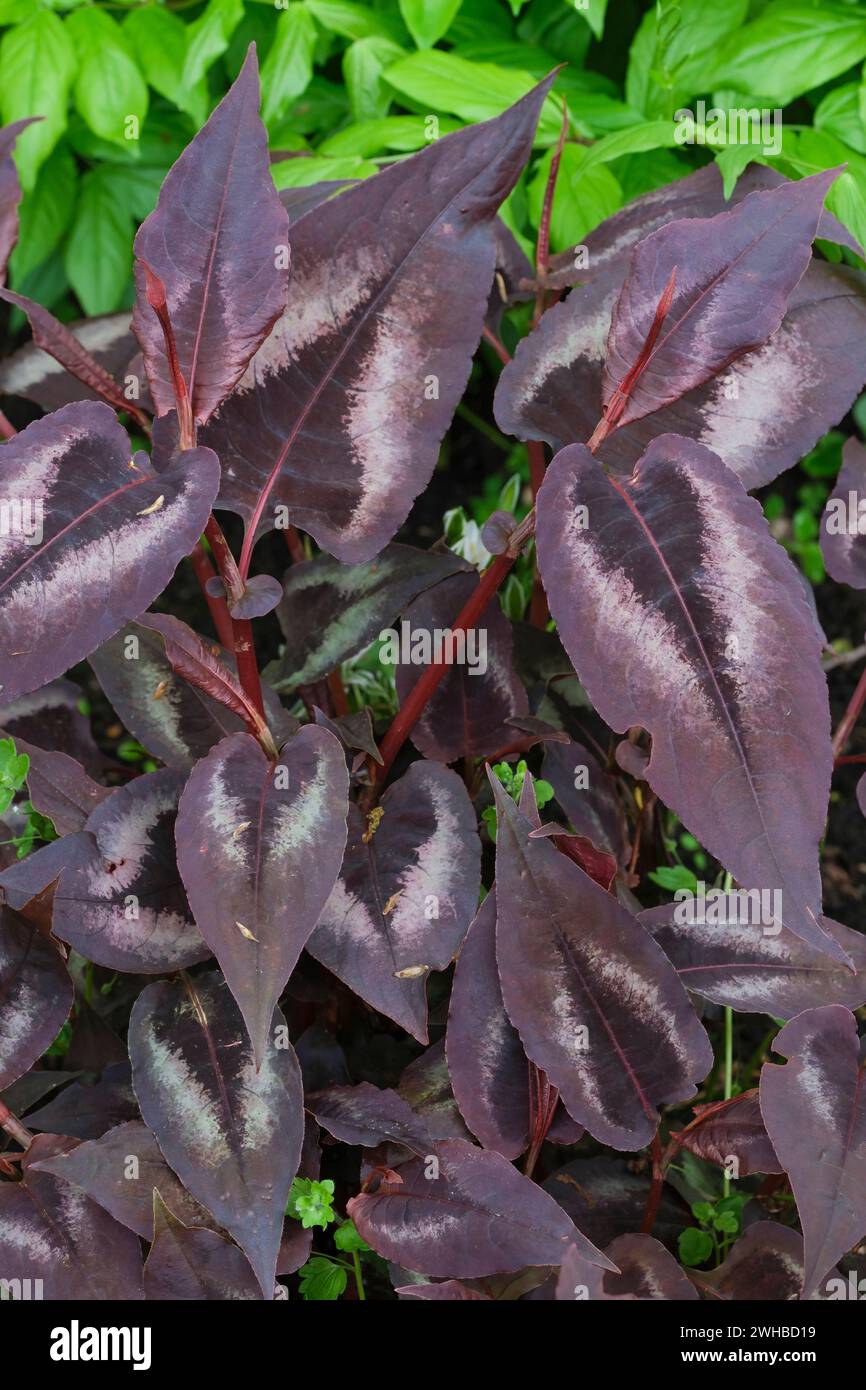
point(392, 278)
point(122, 903)
point(37, 376)
point(406, 894)
point(93, 523)
point(646, 1270)
point(218, 240)
point(120, 1171)
point(331, 611)
point(186, 1263)
point(488, 1067)
point(765, 1265)
point(60, 788)
point(843, 525)
point(52, 1232)
point(815, 1115)
point(35, 995)
point(726, 954)
point(366, 1115)
point(476, 1216)
point(201, 666)
point(733, 1129)
point(231, 1131)
point(596, 1003)
point(10, 190)
point(467, 715)
point(259, 847)
point(702, 636)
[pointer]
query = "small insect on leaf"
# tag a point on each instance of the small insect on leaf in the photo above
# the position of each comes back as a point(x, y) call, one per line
point(154, 507)
point(245, 932)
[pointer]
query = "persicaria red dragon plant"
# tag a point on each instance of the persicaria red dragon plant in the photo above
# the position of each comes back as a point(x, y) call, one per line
point(278, 900)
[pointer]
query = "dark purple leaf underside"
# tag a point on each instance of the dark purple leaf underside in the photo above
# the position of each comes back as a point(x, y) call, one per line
point(34, 374)
point(190, 1264)
point(843, 526)
point(467, 714)
point(596, 1003)
point(701, 635)
point(232, 1133)
point(735, 1131)
point(60, 788)
point(218, 240)
point(259, 848)
point(120, 1171)
point(330, 611)
point(368, 1116)
point(405, 896)
point(815, 1115)
point(477, 1216)
point(739, 963)
point(715, 314)
point(112, 534)
point(199, 663)
point(35, 995)
point(52, 1232)
point(122, 904)
point(488, 1067)
point(363, 372)
point(65, 348)
point(647, 1271)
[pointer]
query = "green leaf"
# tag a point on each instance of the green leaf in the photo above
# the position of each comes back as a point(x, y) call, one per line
point(583, 198)
point(636, 139)
point(287, 70)
point(208, 37)
point(16, 11)
point(355, 21)
point(138, 185)
point(159, 39)
point(346, 1237)
point(98, 255)
point(403, 133)
point(674, 52)
point(45, 213)
point(311, 1202)
point(364, 63)
point(38, 827)
point(300, 172)
point(792, 48)
point(14, 767)
point(695, 1246)
point(428, 20)
point(37, 63)
point(473, 91)
point(703, 1212)
point(593, 11)
point(674, 877)
point(513, 599)
point(825, 459)
point(110, 92)
point(840, 114)
point(321, 1280)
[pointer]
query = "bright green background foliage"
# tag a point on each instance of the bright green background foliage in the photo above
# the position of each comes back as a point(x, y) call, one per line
point(350, 86)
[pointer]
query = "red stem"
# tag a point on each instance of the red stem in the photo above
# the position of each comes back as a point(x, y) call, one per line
point(7, 429)
point(13, 1126)
point(498, 347)
point(539, 613)
point(542, 248)
point(218, 607)
point(850, 717)
point(655, 1192)
point(248, 669)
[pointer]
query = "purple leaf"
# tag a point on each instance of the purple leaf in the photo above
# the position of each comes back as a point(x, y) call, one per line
point(51, 1232)
point(733, 1129)
point(406, 894)
point(121, 903)
point(714, 316)
point(588, 796)
point(331, 611)
point(368, 1116)
point(120, 1171)
point(765, 1265)
point(595, 1002)
point(34, 374)
point(189, 1263)
point(488, 1067)
point(646, 1270)
point(218, 240)
point(476, 1216)
point(467, 715)
point(259, 848)
point(88, 1111)
point(51, 718)
point(843, 525)
point(449, 1291)
point(109, 528)
point(816, 1119)
point(261, 596)
point(230, 1131)
point(605, 1199)
point(363, 372)
point(10, 191)
point(743, 966)
point(36, 995)
point(60, 788)
point(700, 635)
point(426, 1086)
